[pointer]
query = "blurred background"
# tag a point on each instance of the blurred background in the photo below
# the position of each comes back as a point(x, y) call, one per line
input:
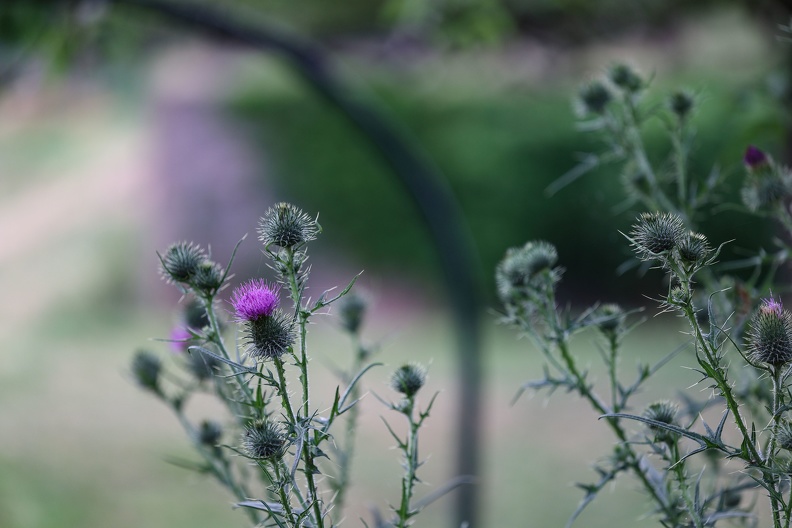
point(124, 128)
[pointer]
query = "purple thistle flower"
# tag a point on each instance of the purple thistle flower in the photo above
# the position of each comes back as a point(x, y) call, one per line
point(771, 306)
point(179, 339)
point(255, 299)
point(754, 157)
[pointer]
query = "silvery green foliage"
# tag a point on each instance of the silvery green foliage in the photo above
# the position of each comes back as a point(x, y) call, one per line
point(740, 335)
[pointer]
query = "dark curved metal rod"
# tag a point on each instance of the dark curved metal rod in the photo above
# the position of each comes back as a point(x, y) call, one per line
point(425, 185)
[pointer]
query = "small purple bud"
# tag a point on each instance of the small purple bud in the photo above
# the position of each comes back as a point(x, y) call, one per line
point(255, 299)
point(179, 339)
point(754, 157)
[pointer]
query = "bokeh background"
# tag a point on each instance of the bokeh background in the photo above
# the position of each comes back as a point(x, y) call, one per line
point(122, 131)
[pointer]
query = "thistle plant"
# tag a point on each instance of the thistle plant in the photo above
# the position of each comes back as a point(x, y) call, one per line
point(273, 428)
point(736, 326)
point(267, 452)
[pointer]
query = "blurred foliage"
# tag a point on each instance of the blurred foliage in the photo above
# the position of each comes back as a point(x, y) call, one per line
point(500, 153)
point(500, 150)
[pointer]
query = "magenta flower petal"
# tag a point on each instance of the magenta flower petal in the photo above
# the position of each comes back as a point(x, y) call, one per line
point(255, 299)
point(771, 306)
point(754, 157)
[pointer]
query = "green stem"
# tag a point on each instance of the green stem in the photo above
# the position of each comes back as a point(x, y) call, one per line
point(282, 390)
point(679, 470)
point(346, 454)
point(614, 382)
point(776, 377)
point(281, 484)
point(223, 473)
point(217, 338)
point(595, 402)
point(585, 391)
point(680, 160)
point(638, 151)
point(301, 317)
point(411, 459)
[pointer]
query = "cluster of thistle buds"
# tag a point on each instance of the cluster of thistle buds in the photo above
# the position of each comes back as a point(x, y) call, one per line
point(621, 80)
point(527, 275)
point(663, 237)
point(188, 265)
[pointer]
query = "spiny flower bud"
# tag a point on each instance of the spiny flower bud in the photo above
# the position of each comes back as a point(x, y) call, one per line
point(352, 310)
point(766, 185)
point(210, 432)
point(526, 269)
point(270, 336)
point(769, 339)
point(693, 248)
point(731, 498)
point(208, 278)
point(663, 412)
point(286, 226)
point(195, 315)
point(625, 78)
point(263, 440)
point(681, 103)
point(146, 368)
point(594, 98)
point(181, 261)
point(408, 379)
point(784, 436)
point(656, 234)
point(679, 296)
point(611, 319)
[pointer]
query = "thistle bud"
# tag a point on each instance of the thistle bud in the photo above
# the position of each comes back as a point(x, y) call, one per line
point(680, 103)
point(693, 248)
point(181, 261)
point(263, 440)
point(680, 296)
point(784, 436)
point(625, 78)
point(408, 379)
point(210, 432)
point(594, 98)
point(269, 337)
point(208, 278)
point(286, 226)
point(766, 185)
point(146, 368)
point(526, 269)
point(195, 315)
point(663, 412)
point(655, 234)
point(352, 310)
point(769, 339)
point(731, 498)
point(611, 319)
